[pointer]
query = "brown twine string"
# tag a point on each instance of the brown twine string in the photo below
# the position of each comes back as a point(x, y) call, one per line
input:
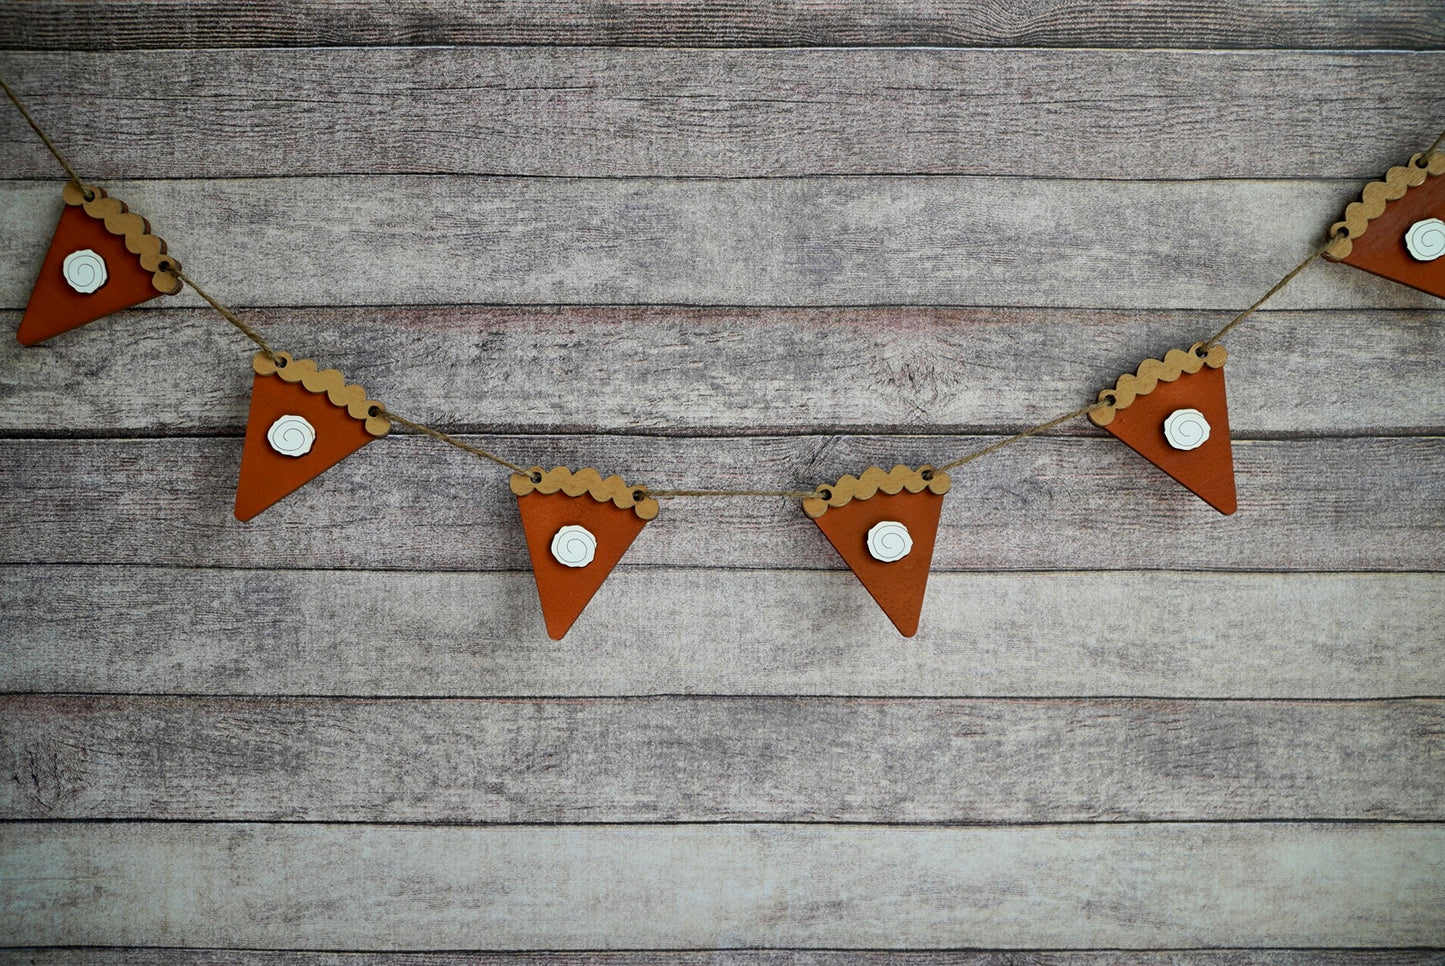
point(454, 441)
point(790, 494)
point(436, 434)
point(227, 314)
point(257, 338)
point(1041, 427)
point(45, 138)
point(1273, 291)
point(1024, 435)
point(1297, 269)
point(1213, 340)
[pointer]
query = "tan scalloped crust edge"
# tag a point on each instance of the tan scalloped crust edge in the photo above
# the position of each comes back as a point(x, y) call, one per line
point(133, 228)
point(1151, 372)
point(587, 481)
point(352, 398)
point(1359, 214)
point(874, 481)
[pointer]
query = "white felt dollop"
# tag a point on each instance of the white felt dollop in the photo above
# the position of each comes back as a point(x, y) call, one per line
point(291, 436)
point(1426, 240)
point(574, 546)
point(84, 271)
point(889, 541)
point(1186, 429)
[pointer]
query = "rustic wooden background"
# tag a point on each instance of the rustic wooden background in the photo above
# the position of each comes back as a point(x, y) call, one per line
point(724, 244)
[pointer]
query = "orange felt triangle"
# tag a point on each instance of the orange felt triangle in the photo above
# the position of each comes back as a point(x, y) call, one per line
point(1381, 249)
point(55, 307)
point(566, 591)
point(266, 475)
point(1208, 470)
point(898, 586)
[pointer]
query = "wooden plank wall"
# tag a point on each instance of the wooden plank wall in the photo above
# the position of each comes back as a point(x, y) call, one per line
point(721, 244)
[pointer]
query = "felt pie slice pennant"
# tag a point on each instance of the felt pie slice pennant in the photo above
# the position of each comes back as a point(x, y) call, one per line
point(302, 423)
point(883, 525)
point(578, 526)
point(1174, 414)
point(102, 259)
point(1397, 228)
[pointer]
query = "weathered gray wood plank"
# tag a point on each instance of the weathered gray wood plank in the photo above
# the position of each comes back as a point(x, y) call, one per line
point(1155, 114)
point(727, 371)
point(1313, 505)
point(142, 630)
point(408, 240)
point(728, 957)
point(669, 887)
point(1044, 504)
point(718, 760)
point(126, 24)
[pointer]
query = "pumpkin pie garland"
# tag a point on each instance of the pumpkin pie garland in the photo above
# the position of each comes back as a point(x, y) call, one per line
point(578, 526)
point(302, 423)
point(102, 259)
point(1173, 412)
point(1397, 228)
point(884, 526)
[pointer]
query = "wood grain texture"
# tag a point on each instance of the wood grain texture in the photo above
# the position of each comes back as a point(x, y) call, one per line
point(134, 956)
point(770, 267)
point(601, 112)
point(131, 24)
point(729, 371)
point(203, 631)
point(668, 887)
point(409, 240)
point(1050, 503)
point(719, 760)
